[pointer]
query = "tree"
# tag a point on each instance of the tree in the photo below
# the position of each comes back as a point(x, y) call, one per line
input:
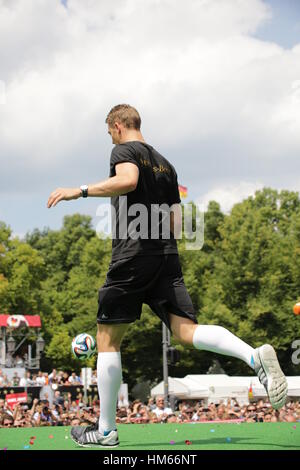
point(245, 278)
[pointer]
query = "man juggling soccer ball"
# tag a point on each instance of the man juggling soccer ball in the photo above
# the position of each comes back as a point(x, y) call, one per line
point(145, 268)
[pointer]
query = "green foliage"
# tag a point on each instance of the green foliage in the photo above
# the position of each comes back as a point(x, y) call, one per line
point(59, 349)
point(245, 278)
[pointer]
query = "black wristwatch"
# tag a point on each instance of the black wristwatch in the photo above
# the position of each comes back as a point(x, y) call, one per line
point(84, 189)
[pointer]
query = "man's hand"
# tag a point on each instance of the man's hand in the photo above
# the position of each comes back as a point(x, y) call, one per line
point(63, 194)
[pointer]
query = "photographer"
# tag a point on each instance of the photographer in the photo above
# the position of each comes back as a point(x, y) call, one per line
point(44, 416)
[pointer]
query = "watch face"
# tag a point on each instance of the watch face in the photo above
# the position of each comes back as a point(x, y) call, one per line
point(84, 190)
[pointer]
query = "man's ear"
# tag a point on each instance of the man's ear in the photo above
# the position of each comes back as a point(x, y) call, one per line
point(118, 127)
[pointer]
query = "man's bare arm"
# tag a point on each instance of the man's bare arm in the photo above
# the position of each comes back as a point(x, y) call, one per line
point(176, 220)
point(125, 181)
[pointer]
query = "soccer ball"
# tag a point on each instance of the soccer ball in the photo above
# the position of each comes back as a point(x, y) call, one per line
point(83, 346)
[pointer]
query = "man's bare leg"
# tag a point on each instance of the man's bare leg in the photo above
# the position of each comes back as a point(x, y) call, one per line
point(109, 337)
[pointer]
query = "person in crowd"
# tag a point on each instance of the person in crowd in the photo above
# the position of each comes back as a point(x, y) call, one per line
point(73, 407)
point(59, 377)
point(161, 411)
point(151, 404)
point(24, 381)
point(6, 421)
point(65, 379)
point(4, 408)
point(122, 415)
point(15, 380)
point(172, 418)
point(80, 401)
point(66, 405)
point(94, 377)
point(53, 378)
point(40, 379)
point(33, 380)
point(44, 416)
point(46, 376)
point(57, 411)
point(122, 401)
point(58, 399)
point(6, 381)
point(139, 413)
point(74, 379)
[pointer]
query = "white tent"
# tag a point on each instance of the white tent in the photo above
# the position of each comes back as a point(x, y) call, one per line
point(222, 387)
point(213, 388)
point(181, 388)
point(293, 386)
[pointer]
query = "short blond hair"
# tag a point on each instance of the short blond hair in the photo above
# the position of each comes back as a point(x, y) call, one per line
point(124, 114)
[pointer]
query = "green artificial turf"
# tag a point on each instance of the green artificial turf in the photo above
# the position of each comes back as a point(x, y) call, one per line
point(172, 437)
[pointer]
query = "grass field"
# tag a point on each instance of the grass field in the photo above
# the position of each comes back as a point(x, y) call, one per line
point(172, 437)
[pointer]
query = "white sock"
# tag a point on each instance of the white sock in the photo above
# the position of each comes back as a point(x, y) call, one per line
point(219, 340)
point(109, 378)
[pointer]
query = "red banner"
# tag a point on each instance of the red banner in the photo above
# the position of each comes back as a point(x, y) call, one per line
point(13, 399)
point(15, 321)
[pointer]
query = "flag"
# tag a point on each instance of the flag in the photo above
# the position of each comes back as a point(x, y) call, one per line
point(250, 392)
point(182, 191)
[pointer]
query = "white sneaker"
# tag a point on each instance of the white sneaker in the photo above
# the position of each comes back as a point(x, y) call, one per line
point(270, 375)
point(90, 437)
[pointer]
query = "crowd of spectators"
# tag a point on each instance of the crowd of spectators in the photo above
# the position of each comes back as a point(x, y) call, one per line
point(65, 412)
point(40, 379)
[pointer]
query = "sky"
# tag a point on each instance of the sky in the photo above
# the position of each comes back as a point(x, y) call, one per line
point(217, 84)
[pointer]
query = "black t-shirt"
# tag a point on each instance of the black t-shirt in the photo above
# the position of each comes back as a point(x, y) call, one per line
point(143, 230)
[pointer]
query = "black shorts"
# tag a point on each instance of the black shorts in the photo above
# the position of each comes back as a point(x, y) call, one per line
point(155, 280)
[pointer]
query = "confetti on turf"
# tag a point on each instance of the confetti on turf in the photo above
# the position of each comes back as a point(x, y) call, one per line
point(66, 437)
point(32, 438)
point(31, 443)
point(188, 443)
point(172, 442)
point(50, 437)
point(228, 439)
point(212, 430)
point(26, 447)
point(294, 427)
point(176, 430)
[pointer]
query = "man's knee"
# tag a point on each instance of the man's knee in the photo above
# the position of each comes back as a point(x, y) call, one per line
point(109, 337)
point(182, 328)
